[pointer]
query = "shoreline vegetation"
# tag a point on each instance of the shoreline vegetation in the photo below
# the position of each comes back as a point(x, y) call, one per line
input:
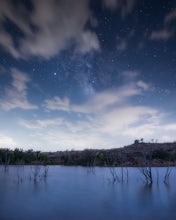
point(138, 154)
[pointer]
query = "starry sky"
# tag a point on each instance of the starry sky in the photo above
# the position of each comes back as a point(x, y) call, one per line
point(78, 74)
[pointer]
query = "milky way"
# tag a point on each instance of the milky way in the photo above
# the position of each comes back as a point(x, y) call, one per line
point(78, 74)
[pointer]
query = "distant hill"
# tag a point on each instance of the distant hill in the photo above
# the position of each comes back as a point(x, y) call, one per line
point(137, 154)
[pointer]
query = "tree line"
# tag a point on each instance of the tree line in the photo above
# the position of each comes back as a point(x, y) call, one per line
point(137, 154)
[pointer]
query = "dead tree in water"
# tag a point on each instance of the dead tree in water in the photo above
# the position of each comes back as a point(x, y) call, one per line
point(45, 173)
point(35, 173)
point(124, 174)
point(167, 175)
point(114, 175)
point(146, 170)
point(147, 173)
point(157, 176)
point(113, 170)
point(90, 159)
point(6, 160)
point(19, 177)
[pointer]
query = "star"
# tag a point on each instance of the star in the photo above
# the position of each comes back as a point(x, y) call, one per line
point(64, 72)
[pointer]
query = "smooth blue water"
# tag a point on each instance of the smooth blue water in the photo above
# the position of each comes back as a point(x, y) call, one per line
point(73, 193)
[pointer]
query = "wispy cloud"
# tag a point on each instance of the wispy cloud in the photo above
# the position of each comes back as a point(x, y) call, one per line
point(168, 29)
point(8, 44)
point(111, 4)
point(51, 27)
point(163, 34)
point(171, 16)
point(105, 120)
point(111, 128)
point(40, 124)
point(98, 101)
point(124, 6)
point(141, 84)
point(15, 95)
point(102, 129)
point(101, 121)
point(130, 75)
point(57, 103)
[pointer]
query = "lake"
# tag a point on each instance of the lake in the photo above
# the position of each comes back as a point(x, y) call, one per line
point(73, 193)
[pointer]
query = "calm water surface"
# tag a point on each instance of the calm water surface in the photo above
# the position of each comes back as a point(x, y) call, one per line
point(73, 193)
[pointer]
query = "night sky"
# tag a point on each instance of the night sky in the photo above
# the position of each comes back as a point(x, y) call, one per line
point(78, 74)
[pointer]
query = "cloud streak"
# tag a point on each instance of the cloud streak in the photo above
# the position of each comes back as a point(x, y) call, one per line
point(51, 27)
point(106, 129)
point(162, 34)
point(124, 6)
point(15, 95)
point(100, 122)
point(98, 102)
point(168, 30)
point(105, 120)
